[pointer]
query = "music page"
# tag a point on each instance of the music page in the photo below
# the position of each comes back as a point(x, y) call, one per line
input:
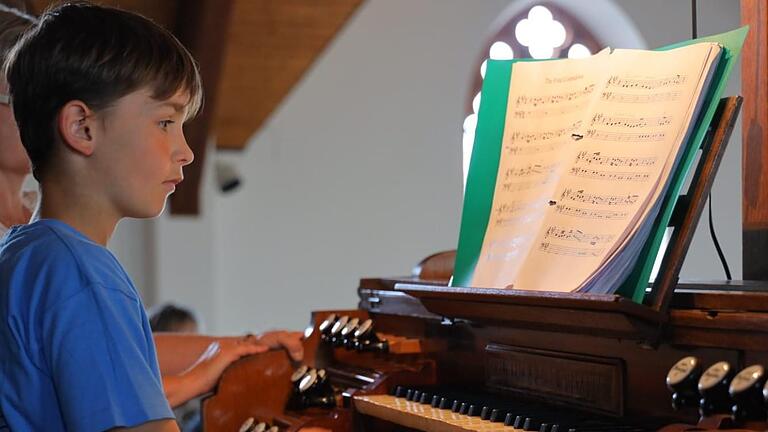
point(613, 164)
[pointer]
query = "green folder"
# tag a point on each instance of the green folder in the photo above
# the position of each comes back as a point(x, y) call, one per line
point(484, 164)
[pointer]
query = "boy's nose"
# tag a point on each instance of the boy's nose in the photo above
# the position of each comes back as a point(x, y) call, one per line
point(185, 156)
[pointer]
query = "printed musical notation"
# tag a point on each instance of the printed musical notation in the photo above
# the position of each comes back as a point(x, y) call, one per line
point(517, 206)
point(600, 199)
point(540, 113)
point(596, 158)
point(530, 170)
point(524, 185)
point(554, 98)
point(629, 122)
point(534, 149)
point(602, 135)
point(646, 83)
point(518, 219)
point(609, 175)
point(590, 213)
point(576, 235)
point(543, 136)
point(640, 98)
point(573, 251)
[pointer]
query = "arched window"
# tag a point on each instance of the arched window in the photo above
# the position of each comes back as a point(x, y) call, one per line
point(541, 31)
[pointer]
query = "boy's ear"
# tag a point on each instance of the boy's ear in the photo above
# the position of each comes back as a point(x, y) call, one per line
point(76, 127)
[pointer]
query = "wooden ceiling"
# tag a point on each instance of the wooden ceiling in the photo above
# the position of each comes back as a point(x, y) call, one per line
point(251, 54)
point(271, 44)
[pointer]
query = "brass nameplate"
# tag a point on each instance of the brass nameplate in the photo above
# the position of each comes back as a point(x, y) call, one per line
point(594, 383)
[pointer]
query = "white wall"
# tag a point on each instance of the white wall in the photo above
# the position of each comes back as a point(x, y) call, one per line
point(358, 172)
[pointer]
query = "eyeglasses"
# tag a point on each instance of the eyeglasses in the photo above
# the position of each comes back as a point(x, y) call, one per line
point(5, 99)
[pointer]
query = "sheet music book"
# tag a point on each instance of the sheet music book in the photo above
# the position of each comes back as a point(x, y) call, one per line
point(578, 162)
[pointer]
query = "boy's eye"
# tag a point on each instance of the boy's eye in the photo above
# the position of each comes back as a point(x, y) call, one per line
point(165, 123)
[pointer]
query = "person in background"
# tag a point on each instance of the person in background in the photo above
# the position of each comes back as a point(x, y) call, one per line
point(175, 319)
point(15, 207)
point(171, 318)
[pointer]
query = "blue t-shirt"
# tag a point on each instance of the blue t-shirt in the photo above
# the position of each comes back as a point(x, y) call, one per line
point(76, 350)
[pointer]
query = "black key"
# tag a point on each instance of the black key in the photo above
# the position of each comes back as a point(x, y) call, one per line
point(409, 394)
point(528, 424)
point(416, 396)
point(473, 411)
point(445, 403)
point(399, 391)
point(464, 408)
point(435, 401)
point(456, 405)
point(544, 427)
point(509, 419)
point(519, 421)
point(496, 416)
point(485, 413)
point(424, 399)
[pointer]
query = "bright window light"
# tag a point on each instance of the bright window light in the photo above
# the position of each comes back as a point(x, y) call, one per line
point(540, 33)
point(501, 51)
point(476, 103)
point(578, 51)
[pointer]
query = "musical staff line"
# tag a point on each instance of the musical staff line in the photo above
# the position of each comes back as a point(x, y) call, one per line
point(640, 98)
point(543, 136)
point(517, 206)
point(569, 250)
point(590, 213)
point(602, 135)
point(554, 99)
point(576, 235)
point(520, 186)
point(536, 114)
point(533, 149)
point(599, 199)
point(629, 122)
point(596, 158)
point(646, 83)
point(609, 175)
point(530, 170)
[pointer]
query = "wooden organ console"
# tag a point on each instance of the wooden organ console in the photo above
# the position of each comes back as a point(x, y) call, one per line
point(420, 355)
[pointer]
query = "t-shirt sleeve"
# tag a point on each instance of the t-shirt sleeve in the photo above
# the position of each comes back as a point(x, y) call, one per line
point(102, 363)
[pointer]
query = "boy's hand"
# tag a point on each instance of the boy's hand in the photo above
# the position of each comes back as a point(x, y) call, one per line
point(290, 341)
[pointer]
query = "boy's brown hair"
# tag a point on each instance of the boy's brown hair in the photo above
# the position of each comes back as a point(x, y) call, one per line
point(96, 54)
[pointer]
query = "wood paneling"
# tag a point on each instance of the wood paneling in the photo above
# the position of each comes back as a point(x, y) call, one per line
point(271, 45)
point(754, 87)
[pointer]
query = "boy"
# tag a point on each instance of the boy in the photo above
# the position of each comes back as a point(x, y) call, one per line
point(100, 96)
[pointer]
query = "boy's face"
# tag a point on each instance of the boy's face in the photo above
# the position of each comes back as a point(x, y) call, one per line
point(140, 152)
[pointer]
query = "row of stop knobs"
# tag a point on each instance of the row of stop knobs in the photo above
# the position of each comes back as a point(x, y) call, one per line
point(351, 333)
point(719, 389)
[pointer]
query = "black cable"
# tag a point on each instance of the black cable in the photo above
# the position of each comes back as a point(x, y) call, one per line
point(717, 244)
point(694, 27)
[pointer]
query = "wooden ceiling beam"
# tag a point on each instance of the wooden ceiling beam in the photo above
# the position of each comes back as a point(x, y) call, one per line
point(271, 46)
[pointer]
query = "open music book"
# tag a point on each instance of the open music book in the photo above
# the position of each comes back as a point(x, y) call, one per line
point(586, 158)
